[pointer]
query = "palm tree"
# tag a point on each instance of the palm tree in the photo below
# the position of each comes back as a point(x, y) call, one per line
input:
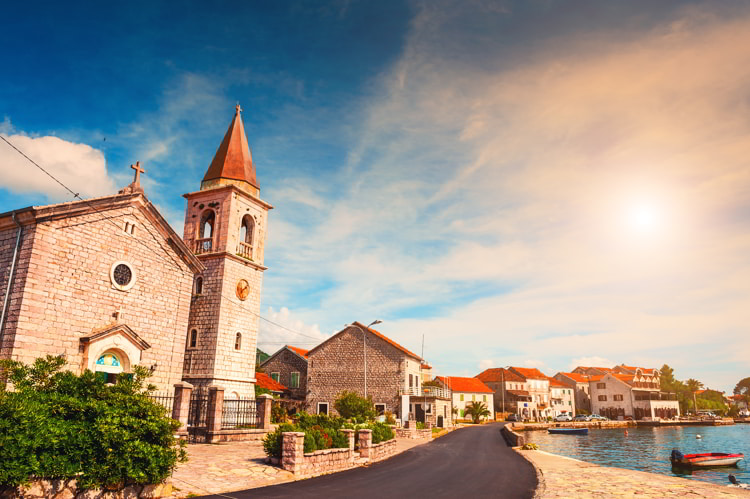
point(694, 385)
point(476, 410)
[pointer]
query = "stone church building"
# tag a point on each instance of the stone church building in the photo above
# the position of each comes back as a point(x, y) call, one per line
point(107, 283)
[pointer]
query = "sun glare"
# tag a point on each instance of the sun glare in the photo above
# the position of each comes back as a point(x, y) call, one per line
point(644, 217)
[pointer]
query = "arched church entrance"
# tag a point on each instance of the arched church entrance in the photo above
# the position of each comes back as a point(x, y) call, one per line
point(110, 364)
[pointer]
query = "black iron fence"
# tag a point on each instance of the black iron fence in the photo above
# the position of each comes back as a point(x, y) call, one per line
point(198, 411)
point(241, 413)
point(165, 400)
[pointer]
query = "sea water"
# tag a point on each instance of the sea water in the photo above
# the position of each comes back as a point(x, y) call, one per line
point(649, 448)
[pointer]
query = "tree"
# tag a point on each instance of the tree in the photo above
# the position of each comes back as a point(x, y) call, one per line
point(350, 405)
point(743, 388)
point(694, 385)
point(476, 410)
point(667, 380)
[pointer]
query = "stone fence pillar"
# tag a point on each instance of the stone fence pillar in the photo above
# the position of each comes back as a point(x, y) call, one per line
point(292, 451)
point(365, 443)
point(181, 404)
point(350, 437)
point(265, 403)
point(215, 409)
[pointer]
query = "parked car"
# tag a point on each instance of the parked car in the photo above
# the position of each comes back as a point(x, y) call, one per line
point(563, 417)
point(597, 417)
point(582, 417)
point(512, 417)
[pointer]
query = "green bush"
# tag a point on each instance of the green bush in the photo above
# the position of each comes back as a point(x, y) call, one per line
point(321, 432)
point(350, 405)
point(381, 433)
point(272, 441)
point(420, 425)
point(58, 425)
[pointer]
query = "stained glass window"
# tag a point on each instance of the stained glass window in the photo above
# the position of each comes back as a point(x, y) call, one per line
point(108, 359)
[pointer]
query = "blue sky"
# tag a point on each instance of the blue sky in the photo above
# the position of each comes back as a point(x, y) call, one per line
point(541, 184)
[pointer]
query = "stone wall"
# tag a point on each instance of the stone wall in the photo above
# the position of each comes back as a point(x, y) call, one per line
point(338, 365)
point(285, 362)
point(63, 289)
point(294, 459)
point(68, 489)
point(511, 437)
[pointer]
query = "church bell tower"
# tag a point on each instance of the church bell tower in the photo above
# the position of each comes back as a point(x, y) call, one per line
point(225, 226)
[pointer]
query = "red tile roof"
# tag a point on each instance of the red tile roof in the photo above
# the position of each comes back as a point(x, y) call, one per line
point(425, 366)
point(470, 385)
point(388, 340)
point(556, 384)
point(596, 377)
point(498, 375)
point(263, 380)
point(578, 378)
point(530, 372)
point(298, 350)
point(233, 159)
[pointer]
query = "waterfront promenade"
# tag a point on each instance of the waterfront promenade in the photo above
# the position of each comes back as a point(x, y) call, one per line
point(562, 477)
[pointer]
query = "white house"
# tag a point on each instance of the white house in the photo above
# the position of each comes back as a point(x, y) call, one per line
point(467, 390)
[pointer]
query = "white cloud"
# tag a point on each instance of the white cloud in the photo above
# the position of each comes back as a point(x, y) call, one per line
point(285, 329)
point(79, 166)
point(487, 364)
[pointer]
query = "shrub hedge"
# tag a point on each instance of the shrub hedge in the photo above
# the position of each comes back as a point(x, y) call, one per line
point(321, 432)
point(58, 425)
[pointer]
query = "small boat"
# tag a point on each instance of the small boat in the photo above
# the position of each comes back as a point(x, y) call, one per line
point(568, 431)
point(704, 460)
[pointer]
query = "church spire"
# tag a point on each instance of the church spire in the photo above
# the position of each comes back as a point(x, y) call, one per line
point(233, 163)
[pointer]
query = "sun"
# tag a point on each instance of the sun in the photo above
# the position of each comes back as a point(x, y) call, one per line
point(644, 217)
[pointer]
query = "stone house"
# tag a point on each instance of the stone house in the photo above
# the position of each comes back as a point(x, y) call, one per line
point(288, 366)
point(580, 385)
point(593, 371)
point(107, 283)
point(509, 388)
point(363, 360)
point(562, 398)
point(621, 396)
point(537, 384)
point(464, 391)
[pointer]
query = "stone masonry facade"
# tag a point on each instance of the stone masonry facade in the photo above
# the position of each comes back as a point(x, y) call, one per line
point(285, 362)
point(63, 289)
point(218, 315)
point(338, 364)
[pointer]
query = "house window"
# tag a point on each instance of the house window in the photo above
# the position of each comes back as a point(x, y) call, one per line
point(462, 398)
point(601, 385)
point(411, 380)
point(380, 409)
point(617, 397)
point(275, 377)
point(569, 402)
point(322, 407)
point(193, 339)
point(198, 286)
point(602, 398)
point(238, 341)
point(294, 380)
point(484, 398)
point(473, 397)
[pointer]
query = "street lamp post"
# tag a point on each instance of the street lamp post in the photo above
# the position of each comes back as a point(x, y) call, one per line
point(364, 346)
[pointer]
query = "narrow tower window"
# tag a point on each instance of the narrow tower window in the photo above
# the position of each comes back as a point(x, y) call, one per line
point(203, 244)
point(193, 338)
point(245, 247)
point(199, 285)
point(238, 342)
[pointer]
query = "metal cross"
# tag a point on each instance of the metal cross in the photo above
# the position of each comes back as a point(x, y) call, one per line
point(138, 171)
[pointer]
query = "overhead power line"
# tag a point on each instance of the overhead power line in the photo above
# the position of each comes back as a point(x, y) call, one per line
point(160, 256)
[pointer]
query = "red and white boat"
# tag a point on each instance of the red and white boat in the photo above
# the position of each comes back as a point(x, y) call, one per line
point(705, 460)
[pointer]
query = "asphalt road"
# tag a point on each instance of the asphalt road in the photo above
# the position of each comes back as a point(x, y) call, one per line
point(469, 462)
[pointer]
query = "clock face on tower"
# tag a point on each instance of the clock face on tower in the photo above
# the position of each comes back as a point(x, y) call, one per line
point(243, 289)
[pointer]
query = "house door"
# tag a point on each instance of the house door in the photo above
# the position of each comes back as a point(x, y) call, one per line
point(418, 413)
point(440, 422)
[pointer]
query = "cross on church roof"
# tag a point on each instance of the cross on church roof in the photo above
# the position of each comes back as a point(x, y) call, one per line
point(138, 171)
point(237, 108)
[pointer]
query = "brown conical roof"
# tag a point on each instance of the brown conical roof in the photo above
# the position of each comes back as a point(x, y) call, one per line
point(233, 159)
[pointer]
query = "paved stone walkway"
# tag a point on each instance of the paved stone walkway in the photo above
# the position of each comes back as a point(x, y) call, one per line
point(563, 478)
point(222, 468)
